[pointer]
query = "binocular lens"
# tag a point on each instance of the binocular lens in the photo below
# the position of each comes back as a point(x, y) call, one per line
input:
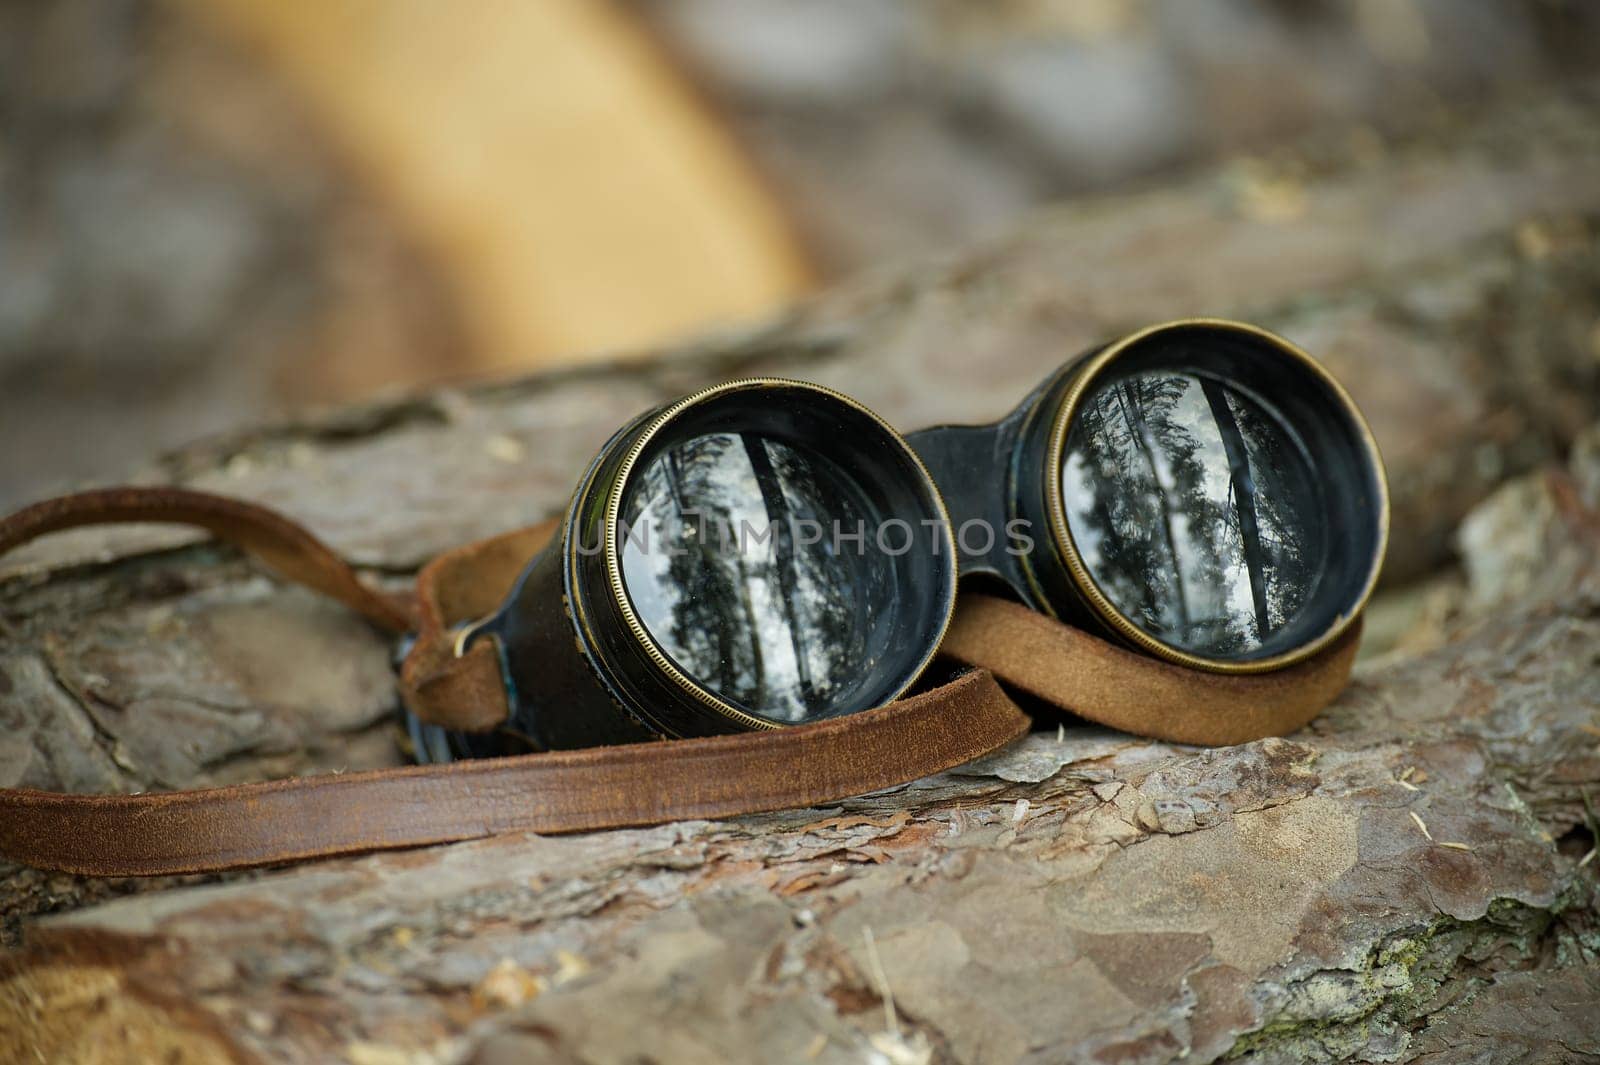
point(727, 562)
point(1195, 509)
point(771, 546)
point(1221, 493)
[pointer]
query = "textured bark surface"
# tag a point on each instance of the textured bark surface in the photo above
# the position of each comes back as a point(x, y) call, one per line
point(1411, 878)
point(1407, 879)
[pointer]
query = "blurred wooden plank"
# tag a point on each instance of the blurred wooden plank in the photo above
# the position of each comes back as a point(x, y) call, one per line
point(572, 190)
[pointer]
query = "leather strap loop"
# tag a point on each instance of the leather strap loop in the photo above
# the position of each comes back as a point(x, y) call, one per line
point(1113, 686)
point(280, 543)
point(462, 693)
point(466, 691)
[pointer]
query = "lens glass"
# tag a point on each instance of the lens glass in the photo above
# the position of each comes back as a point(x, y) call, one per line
point(1196, 511)
point(759, 568)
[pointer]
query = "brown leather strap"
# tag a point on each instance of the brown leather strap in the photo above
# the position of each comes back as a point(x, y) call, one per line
point(274, 539)
point(568, 791)
point(571, 791)
point(1128, 691)
point(463, 693)
point(258, 824)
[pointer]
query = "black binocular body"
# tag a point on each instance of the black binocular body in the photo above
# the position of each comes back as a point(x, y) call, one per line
point(768, 552)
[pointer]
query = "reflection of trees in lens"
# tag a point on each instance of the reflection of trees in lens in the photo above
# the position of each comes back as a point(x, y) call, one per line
point(1288, 505)
point(1189, 505)
point(833, 589)
point(1148, 498)
point(777, 625)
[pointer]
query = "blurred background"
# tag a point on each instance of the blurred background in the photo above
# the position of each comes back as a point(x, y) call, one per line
point(215, 212)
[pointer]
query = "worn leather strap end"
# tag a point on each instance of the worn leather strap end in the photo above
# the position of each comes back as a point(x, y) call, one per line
point(1097, 680)
point(465, 691)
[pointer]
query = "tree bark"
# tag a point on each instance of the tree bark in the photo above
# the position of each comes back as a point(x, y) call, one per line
point(1403, 880)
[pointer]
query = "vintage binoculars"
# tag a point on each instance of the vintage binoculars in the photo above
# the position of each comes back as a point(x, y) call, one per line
point(767, 552)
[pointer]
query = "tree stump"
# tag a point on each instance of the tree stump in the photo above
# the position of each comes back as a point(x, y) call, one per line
point(1410, 878)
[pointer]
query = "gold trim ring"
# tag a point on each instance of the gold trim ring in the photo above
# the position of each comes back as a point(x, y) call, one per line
point(1083, 377)
point(613, 515)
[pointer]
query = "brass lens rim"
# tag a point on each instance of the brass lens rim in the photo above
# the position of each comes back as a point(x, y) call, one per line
point(1082, 380)
point(616, 493)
